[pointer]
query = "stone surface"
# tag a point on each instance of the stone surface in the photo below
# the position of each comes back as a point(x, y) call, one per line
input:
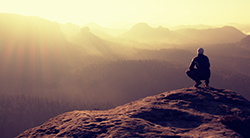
point(184, 113)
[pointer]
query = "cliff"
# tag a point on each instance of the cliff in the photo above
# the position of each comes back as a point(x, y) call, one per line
point(188, 112)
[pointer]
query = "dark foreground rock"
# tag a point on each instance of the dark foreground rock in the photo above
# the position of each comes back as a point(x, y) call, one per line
point(185, 113)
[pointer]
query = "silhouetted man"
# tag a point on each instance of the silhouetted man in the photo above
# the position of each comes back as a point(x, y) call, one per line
point(199, 68)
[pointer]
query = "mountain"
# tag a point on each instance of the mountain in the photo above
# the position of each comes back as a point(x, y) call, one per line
point(138, 31)
point(245, 42)
point(95, 46)
point(69, 29)
point(104, 31)
point(183, 113)
point(226, 34)
point(142, 32)
point(243, 27)
point(92, 44)
point(86, 39)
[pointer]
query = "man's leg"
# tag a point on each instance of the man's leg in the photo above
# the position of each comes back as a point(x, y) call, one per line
point(206, 82)
point(207, 75)
point(191, 74)
point(194, 75)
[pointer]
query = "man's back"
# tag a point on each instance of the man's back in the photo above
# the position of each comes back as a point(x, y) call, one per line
point(201, 62)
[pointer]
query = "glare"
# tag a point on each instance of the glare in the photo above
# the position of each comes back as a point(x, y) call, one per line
point(132, 11)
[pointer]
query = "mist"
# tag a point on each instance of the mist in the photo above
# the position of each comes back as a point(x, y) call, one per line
point(62, 67)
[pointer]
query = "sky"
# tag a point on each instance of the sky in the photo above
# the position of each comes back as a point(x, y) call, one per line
point(119, 13)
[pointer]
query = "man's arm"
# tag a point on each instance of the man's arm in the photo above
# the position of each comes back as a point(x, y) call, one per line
point(192, 64)
point(208, 63)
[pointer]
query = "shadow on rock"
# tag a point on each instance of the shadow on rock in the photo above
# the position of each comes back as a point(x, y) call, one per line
point(237, 124)
point(210, 100)
point(170, 118)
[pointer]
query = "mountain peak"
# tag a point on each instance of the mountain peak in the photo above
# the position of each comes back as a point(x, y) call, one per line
point(160, 28)
point(85, 30)
point(141, 26)
point(188, 112)
point(232, 29)
point(93, 26)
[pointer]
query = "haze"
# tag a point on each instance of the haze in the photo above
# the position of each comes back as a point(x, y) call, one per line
point(125, 13)
point(48, 68)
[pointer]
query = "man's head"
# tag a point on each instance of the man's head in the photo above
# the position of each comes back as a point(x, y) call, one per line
point(200, 50)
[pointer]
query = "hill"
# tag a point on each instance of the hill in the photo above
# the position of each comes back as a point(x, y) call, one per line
point(188, 112)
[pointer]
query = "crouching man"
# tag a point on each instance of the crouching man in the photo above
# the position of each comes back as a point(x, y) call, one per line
point(199, 68)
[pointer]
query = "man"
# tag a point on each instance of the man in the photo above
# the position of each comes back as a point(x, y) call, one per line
point(199, 68)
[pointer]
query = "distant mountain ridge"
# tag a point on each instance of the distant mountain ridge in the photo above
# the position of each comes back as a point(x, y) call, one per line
point(188, 112)
point(226, 34)
point(144, 33)
point(36, 58)
point(97, 29)
point(96, 46)
point(245, 42)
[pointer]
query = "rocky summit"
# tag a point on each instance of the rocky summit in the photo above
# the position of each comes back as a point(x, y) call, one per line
point(184, 113)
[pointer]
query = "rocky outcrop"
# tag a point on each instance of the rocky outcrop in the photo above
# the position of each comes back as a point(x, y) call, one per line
point(189, 112)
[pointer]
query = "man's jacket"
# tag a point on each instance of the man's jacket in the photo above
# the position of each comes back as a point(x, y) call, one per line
point(202, 65)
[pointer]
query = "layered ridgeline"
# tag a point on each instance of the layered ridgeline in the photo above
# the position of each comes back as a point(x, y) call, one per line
point(142, 32)
point(47, 64)
point(189, 112)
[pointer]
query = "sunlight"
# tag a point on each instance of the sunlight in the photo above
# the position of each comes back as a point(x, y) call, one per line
point(111, 12)
point(97, 65)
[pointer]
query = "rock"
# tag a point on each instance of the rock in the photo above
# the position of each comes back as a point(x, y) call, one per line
point(184, 113)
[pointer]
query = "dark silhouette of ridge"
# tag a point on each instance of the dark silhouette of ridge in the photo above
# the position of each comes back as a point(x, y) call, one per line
point(245, 42)
point(188, 112)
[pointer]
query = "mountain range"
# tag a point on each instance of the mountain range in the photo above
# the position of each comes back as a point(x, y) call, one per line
point(35, 53)
point(144, 33)
point(74, 64)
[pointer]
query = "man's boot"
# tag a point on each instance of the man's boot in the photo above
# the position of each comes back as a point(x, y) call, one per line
point(206, 84)
point(197, 83)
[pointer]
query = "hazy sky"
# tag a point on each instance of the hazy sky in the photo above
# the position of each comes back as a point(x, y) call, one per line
point(116, 13)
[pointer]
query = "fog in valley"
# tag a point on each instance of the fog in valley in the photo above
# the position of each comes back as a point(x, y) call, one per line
point(48, 68)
